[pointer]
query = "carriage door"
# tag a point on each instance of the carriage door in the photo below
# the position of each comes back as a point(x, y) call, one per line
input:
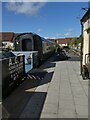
point(27, 45)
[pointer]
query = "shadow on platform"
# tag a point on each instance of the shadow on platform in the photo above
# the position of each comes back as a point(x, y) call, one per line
point(62, 56)
point(15, 103)
point(25, 109)
point(77, 58)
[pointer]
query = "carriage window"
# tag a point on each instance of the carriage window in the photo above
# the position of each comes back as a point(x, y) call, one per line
point(27, 45)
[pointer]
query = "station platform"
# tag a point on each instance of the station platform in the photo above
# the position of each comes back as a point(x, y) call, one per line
point(59, 92)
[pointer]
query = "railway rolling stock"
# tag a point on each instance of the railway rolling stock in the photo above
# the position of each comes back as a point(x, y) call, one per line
point(33, 42)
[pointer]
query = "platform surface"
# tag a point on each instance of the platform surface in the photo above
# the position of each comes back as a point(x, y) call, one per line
point(61, 93)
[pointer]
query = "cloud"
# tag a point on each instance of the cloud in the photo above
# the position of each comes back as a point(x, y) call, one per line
point(29, 8)
point(46, 37)
point(67, 34)
point(69, 30)
point(39, 30)
point(58, 35)
point(52, 37)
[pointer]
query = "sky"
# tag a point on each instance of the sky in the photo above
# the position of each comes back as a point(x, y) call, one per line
point(47, 19)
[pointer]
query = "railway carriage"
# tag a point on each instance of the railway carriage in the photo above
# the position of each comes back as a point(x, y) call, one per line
point(30, 49)
point(33, 42)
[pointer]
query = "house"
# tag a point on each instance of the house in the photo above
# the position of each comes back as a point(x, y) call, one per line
point(85, 49)
point(62, 41)
point(7, 36)
point(7, 39)
point(85, 22)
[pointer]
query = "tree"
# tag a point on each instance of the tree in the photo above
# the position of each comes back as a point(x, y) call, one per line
point(75, 41)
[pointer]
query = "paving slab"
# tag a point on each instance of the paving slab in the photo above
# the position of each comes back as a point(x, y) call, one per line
point(72, 91)
point(67, 113)
point(62, 93)
point(82, 111)
point(50, 116)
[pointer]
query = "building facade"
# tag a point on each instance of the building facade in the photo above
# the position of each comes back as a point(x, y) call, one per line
point(62, 41)
point(85, 51)
point(7, 40)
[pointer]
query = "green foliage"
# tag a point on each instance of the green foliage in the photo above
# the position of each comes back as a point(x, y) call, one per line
point(75, 41)
point(57, 47)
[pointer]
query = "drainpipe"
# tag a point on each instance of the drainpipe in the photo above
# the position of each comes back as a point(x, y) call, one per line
point(81, 55)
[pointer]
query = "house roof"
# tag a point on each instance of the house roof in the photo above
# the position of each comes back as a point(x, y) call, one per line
point(6, 36)
point(86, 16)
point(15, 35)
point(52, 39)
point(62, 40)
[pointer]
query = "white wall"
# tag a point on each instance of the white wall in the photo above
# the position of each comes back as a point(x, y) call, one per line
point(63, 45)
point(8, 44)
point(86, 39)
